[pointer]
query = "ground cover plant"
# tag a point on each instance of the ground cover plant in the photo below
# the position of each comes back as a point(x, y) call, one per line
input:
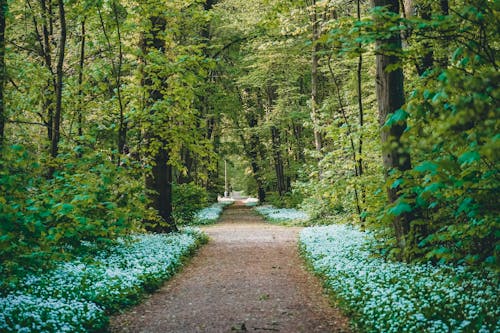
point(282, 215)
point(78, 296)
point(386, 296)
point(210, 215)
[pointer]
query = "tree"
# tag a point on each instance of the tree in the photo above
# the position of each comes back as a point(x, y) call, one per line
point(159, 180)
point(391, 98)
point(59, 76)
point(3, 74)
point(315, 31)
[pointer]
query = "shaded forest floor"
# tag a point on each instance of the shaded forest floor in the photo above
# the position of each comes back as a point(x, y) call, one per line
point(248, 278)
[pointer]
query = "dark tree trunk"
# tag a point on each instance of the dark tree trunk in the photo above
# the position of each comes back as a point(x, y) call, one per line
point(56, 125)
point(390, 97)
point(122, 124)
point(117, 72)
point(445, 7)
point(3, 116)
point(443, 60)
point(44, 36)
point(80, 80)
point(359, 74)
point(278, 161)
point(297, 129)
point(253, 154)
point(189, 163)
point(427, 59)
point(342, 109)
point(276, 147)
point(159, 181)
point(314, 77)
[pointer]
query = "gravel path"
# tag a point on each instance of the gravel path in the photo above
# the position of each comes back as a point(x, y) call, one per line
point(249, 278)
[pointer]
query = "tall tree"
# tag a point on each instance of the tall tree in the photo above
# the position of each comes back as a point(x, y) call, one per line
point(3, 116)
point(390, 97)
point(159, 180)
point(59, 75)
point(315, 30)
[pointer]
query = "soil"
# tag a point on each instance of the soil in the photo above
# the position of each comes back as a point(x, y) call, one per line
point(249, 278)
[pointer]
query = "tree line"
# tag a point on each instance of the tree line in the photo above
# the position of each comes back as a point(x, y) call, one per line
point(383, 114)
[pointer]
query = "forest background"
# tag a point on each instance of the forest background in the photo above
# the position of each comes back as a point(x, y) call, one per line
point(116, 117)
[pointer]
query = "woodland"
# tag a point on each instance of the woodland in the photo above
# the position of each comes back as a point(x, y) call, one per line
point(119, 116)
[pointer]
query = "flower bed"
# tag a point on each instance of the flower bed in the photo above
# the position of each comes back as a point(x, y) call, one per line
point(274, 214)
point(395, 297)
point(77, 296)
point(211, 214)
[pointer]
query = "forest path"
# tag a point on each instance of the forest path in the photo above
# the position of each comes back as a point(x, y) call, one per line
point(249, 278)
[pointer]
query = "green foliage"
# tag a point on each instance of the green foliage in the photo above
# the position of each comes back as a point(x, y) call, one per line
point(48, 219)
point(188, 199)
point(453, 187)
point(288, 200)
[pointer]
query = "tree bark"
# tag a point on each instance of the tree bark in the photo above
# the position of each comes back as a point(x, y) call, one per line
point(390, 97)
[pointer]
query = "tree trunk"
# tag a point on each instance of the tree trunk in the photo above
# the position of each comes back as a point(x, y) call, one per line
point(359, 74)
point(314, 77)
point(254, 159)
point(443, 60)
point(122, 124)
point(56, 125)
point(3, 116)
point(445, 7)
point(342, 109)
point(427, 59)
point(390, 97)
point(278, 161)
point(43, 38)
point(80, 80)
point(159, 181)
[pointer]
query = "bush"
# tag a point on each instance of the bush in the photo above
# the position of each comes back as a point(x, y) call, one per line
point(43, 220)
point(188, 199)
point(287, 200)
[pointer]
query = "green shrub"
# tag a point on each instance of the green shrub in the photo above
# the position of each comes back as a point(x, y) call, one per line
point(188, 200)
point(46, 219)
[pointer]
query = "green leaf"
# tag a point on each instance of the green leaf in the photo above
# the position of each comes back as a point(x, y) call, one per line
point(464, 206)
point(456, 54)
point(398, 116)
point(401, 207)
point(397, 182)
point(469, 157)
point(67, 208)
point(427, 166)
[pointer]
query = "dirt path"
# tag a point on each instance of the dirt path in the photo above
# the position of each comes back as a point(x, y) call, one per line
point(248, 278)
